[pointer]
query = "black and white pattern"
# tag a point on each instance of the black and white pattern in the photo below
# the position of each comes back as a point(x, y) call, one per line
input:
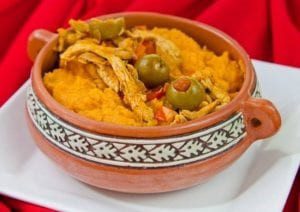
point(135, 152)
point(257, 91)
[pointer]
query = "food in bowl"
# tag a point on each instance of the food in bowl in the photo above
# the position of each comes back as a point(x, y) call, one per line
point(138, 159)
point(139, 76)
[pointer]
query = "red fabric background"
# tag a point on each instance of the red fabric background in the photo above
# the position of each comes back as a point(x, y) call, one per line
point(267, 29)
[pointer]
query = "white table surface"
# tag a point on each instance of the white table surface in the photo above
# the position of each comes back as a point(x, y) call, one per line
point(259, 181)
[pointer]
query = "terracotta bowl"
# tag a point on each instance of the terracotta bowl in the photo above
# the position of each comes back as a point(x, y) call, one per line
point(147, 159)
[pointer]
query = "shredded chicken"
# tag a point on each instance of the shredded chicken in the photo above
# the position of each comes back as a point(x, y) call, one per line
point(179, 118)
point(104, 70)
point(134, 73)
point(189, 115)
point(216, 92)
point(133, 95)
point(167, 48)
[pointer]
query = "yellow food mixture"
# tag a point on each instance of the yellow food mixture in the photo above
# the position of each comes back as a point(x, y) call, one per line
point(80, 87)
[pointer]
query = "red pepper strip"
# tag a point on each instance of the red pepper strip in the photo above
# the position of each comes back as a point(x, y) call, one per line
point(156, 93)
point(150, 46)
point(165, 114)
point(145, 47)
point(160, 115)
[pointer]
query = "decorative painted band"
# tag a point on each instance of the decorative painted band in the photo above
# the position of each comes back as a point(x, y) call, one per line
point(133, 152)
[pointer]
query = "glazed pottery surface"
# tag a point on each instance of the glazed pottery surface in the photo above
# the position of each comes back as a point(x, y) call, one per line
point(148, 159)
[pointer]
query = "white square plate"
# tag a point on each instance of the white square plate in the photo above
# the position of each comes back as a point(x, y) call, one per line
point(259, 181)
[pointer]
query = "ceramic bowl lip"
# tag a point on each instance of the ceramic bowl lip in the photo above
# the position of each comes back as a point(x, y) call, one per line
point(111, 129)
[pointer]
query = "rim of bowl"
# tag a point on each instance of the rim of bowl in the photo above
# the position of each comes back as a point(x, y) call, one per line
point(146, 131)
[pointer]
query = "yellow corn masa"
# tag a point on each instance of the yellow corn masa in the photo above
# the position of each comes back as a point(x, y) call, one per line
point(223, 72)
point(79, 87)
point(78, 92)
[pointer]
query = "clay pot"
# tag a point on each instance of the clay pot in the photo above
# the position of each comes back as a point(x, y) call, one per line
point(148, 159)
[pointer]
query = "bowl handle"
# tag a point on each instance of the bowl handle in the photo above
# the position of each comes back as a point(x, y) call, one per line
point(36, 41)
point(262, 118)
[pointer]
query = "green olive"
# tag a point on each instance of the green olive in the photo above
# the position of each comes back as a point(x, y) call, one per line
point(185, 93)
point(152, 70)
point(79, 26)
point(95, 29)
point(106, 29)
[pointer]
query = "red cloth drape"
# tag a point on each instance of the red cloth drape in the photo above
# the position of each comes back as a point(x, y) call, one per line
point(267, 29)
